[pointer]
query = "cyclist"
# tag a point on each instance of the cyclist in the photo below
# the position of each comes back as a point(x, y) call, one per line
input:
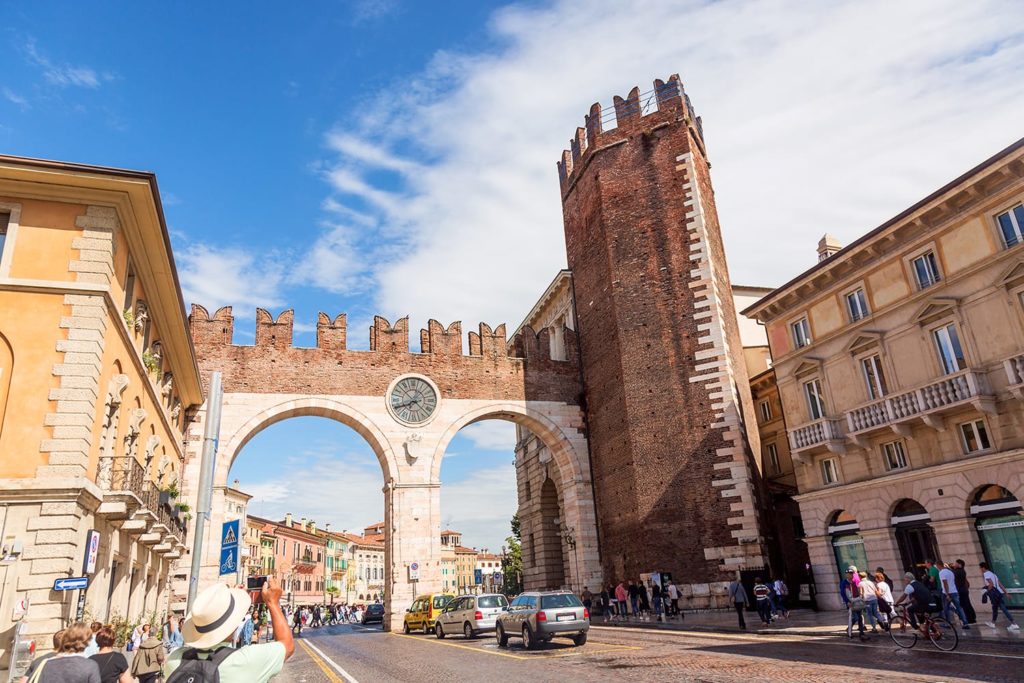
point(919, 597)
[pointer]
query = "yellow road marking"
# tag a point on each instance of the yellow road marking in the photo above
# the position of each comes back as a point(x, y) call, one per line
point(331, 676)
point(611, 647)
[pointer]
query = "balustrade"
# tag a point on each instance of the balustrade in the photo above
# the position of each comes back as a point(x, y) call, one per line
point(820, 432)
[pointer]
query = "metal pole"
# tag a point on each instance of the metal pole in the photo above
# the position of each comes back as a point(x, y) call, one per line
point(210, 439)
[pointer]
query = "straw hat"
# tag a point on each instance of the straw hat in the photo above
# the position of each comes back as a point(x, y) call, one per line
point(215, 615)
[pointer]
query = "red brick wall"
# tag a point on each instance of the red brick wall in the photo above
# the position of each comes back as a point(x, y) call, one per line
point(652, 444)
point(273, 365)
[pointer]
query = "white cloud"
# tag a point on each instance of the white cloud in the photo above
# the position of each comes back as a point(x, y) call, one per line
point(221, 276)
point(818, 117)
point(491, 435)
point(16, 99)
point(64, 75)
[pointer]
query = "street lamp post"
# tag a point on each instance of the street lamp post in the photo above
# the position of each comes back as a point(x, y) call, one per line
point(569, 536)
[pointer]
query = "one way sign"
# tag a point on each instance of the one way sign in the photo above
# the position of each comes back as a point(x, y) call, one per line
point(71, 584)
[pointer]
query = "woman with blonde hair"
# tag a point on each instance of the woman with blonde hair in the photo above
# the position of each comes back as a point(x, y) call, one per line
point(68, 665)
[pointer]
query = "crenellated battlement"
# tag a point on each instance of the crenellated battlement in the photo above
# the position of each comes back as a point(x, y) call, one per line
point(637, 112)
point(332, 335)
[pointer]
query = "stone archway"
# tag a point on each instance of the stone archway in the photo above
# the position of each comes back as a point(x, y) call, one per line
point(272, 381)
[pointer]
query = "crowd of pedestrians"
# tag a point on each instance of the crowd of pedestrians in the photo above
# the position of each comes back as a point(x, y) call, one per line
point(314, 616)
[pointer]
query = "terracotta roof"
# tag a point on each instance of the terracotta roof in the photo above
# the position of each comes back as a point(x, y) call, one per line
point(450, 531)
point(464, 549)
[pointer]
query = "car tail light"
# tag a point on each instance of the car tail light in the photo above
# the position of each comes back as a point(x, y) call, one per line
point(541, 616)
point(479, 615)
point(586, 613)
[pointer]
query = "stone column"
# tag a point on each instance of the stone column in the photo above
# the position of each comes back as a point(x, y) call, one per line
point(412, 515)
point(826, 576)
point(882, 551)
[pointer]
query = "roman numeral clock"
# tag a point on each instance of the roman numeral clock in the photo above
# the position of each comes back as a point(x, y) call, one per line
point(412, 400)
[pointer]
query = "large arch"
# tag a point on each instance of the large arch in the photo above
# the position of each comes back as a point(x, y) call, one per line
point(272, 381)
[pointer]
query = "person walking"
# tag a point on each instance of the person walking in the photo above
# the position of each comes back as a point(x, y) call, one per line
point(996, 596)
point(673, 599)
point(885, 578)
point(297, 622)
point(781, 592)
point(738, 596)
point(622, 598)
point(113, 665)
point(762, 594)
point(645, 602)
point(149, 658)
point(869, 591)
point(885, 599)
point(933, 575)
point(963, 587)
point(657, 600)
point(854, 602)
point(588, 600)
point(215, 615)
point(67, 665)
point(634, 598)
point(138, 635)
point(951, 596)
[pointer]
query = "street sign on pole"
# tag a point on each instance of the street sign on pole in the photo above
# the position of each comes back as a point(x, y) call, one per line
point(229, 560)
point(71, 584)
point(92, 551)
point(229, 534)
point(414, 571)
point(478, 576)
point(211, 436)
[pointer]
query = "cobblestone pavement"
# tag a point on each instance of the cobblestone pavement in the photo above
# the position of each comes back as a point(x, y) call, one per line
point(363, 655)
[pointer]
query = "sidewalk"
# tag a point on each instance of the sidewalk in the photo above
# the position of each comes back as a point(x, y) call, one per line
point(801, 622)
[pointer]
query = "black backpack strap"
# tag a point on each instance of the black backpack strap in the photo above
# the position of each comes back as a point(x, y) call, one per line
point(189, 654)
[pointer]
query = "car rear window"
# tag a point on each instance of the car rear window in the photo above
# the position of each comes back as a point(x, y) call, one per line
point(561, 600)
point(493, 601)
point(375, 608)
point(441, 600)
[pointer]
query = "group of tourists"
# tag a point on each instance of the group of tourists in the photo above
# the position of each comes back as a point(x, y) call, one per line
point(218, 638)
point(937, 588)
point(313, 616)
point(770, 599)
point(632, 600)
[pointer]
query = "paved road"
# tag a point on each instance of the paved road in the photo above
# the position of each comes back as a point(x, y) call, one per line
point(355, 654)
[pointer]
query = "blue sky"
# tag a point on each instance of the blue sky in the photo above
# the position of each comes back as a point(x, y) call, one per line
point(398, 157)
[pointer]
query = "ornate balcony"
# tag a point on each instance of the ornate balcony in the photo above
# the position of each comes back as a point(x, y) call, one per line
point(1015, 375)
point(824, 433)
point(927, 403)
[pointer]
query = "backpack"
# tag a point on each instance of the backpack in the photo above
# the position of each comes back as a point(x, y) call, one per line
point(195, 670)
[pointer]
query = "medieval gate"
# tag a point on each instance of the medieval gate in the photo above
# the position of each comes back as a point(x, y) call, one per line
point(384, 394)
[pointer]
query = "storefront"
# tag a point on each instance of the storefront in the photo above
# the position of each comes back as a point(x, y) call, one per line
point(914, 535)
point(847, 543)
point(999, 520)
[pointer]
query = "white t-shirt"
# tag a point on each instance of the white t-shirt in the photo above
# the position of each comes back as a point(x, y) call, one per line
point(946, 577)
point(673, 592)
point(991, 576)
point(886, 592)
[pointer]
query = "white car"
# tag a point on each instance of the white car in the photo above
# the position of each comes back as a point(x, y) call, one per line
point(470, 614)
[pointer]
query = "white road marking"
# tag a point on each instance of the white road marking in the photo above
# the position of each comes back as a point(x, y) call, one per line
point(344, 674)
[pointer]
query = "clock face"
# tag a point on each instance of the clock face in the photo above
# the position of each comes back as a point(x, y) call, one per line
point(413, 400)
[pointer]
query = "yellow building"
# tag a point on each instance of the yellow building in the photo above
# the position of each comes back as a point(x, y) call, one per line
point(465, 567)
point(900, 367)
point(97, 373)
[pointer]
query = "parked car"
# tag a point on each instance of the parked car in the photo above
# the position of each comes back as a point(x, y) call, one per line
point(373, 613)
point(424, 611)
point(539, 617)
point(470, 614)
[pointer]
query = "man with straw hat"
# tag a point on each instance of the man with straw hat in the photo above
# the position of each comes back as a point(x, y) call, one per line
point(210, 627)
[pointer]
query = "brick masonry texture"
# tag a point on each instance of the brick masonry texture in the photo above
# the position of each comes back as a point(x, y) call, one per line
point(670, 457)
point(274, 365)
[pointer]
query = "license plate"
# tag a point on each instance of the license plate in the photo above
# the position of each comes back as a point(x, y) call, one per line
point(565, 617)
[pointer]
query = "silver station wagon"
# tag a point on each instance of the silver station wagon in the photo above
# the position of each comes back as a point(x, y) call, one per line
point(470, 614)
point(539, 617)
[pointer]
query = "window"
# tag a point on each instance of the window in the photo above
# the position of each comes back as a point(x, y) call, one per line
point(856, 305)
point(801, 333)
point(815, 399)
point(975, 436)
point(894, 456)
point(771, 453)
point(766, 411)
point(129, 286)
point(5, 219)
point(926, 270)
point(951, 354)
point(1011, 225)
point(874, 377)
point(829, 471)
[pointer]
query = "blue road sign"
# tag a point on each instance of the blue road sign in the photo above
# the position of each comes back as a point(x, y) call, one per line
point(71, 584)
point(478, 576)
point(229, 534)
point(229, 560)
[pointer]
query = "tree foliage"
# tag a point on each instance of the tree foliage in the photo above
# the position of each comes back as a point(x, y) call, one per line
point(512, 561)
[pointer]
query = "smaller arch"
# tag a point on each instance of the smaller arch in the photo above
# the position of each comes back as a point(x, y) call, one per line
point(908, 511)
point(992, 499)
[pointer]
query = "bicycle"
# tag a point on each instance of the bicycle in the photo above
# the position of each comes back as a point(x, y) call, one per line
point(939, 631)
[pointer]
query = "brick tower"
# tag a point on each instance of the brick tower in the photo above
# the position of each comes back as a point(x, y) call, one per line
point(666, 385)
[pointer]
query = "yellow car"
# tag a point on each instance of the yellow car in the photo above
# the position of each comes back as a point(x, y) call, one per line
point(424, 611)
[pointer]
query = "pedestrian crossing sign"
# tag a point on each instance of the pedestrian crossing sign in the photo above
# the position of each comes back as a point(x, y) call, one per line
point(229, 534)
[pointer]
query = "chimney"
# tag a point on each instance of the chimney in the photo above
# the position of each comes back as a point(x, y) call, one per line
point(236, 483)
point(312, 527)
point(327, 526)
point(288, 519)
point(302, 524)
point(827, 246)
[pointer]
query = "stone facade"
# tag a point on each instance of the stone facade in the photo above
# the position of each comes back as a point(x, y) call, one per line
point(272, 381)
point(900, 369)
point(663, 366)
